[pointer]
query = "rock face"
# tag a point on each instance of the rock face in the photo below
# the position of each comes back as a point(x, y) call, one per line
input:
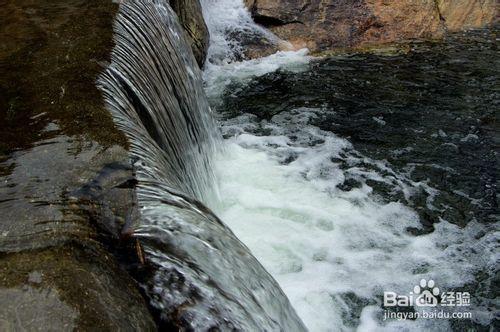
point(191, 18)
point(465, 14)
point(323, 25)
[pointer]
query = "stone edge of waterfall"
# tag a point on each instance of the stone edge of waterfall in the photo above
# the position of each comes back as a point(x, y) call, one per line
point(62, 173)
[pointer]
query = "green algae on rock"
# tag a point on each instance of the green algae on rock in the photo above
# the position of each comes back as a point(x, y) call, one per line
point(82, 289)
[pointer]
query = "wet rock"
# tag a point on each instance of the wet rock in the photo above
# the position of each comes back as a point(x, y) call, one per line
point(81, 289)
point(30, 309)
point(326, 25)
point(51, 54)
point(191, 18)
point(57, 239)
point(56, 139)
point(35, 193)
point(255, 46)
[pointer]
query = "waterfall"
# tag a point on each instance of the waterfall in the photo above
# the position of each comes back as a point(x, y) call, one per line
point(155, 95)
point(232, 31)
point(229, 24)
point(200, 275)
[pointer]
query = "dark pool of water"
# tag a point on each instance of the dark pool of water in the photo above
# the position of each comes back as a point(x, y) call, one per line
point(431, 112)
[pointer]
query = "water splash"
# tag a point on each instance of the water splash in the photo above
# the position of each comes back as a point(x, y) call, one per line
point(334, 250)
point(229, 23)
point(231, 27)
point(218, 77)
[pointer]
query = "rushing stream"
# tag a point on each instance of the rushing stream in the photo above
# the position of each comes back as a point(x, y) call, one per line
point(285, 193)
point(353, 175)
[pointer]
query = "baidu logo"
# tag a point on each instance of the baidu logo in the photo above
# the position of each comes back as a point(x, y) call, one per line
point(426, 294)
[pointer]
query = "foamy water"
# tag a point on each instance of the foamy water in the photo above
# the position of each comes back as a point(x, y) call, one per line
point(333, 252)
point(229, 22)
point(218, 76)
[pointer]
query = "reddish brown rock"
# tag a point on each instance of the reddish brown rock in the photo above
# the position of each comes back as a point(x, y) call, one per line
point(329, 24)
point(466, 14)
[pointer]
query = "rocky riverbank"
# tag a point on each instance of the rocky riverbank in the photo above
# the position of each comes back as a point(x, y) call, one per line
point(328, 25)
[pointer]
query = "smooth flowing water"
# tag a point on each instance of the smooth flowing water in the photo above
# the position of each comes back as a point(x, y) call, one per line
point(359, 174)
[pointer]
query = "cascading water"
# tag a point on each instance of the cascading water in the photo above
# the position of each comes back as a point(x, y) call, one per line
point(229, 23)
point(202, 276)
point(154, 93)
point(282, 180)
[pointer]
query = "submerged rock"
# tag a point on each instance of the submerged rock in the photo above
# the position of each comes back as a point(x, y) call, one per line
point(325, 25)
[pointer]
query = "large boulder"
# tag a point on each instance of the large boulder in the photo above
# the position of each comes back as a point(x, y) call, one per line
point(324, 25)
point(191, 18)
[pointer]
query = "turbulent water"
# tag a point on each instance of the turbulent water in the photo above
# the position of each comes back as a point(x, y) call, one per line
point(199, 276)
point(355, 175)
point(230, 25)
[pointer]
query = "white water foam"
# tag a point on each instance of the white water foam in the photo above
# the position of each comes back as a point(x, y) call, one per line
point(228, 22)
point(335, 252)
point(218, 77)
